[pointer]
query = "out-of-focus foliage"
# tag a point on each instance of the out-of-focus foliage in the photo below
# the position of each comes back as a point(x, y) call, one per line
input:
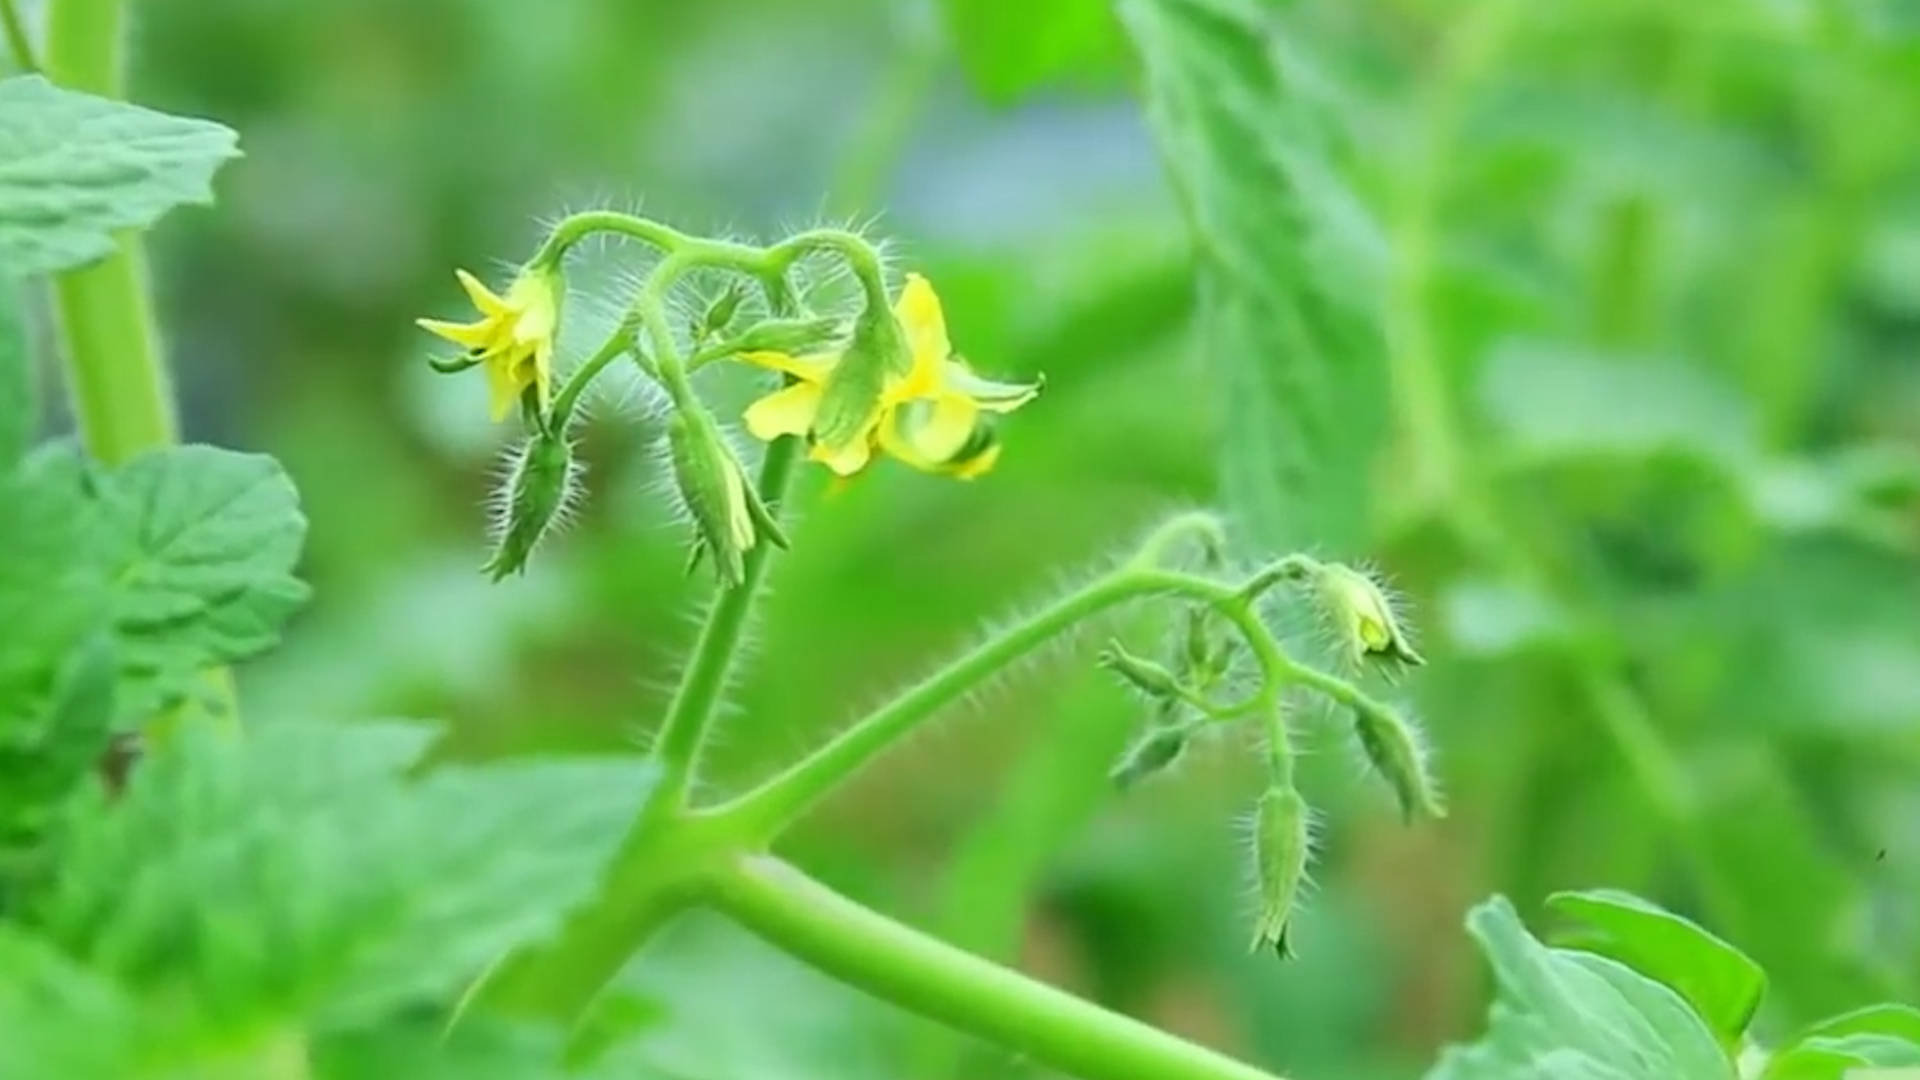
point(1640, 280)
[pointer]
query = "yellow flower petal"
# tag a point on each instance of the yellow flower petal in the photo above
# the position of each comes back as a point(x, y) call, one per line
point(989, 394)
point(808, 368)
point(503, 385)
point(978, 464)
point(475, 335)
point(928, 434)
point(483, 298)
point(918, 310)
point(845, 460)
point(787, 411)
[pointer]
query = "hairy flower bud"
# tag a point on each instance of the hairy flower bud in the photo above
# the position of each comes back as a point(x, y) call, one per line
point(1144, 675)
point(1362, 616)
point(787, 335)
point(1156, 749)
point(540, 487)
point(1395, 749)
point(721, 312)
point(728, 515)
point(1282, 846)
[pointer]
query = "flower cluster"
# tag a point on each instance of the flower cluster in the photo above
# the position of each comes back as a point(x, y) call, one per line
point(854, 385)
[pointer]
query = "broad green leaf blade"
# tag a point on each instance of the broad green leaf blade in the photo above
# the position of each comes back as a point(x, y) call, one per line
point(1878, 1035)
point(1555, 402)
point(1010, 47)
point(45, 759)
point(19, 390)
point(1722, 983)
point(74, 168)
point(58, 1021)
point(303, 870)
point(204, 544)
point(1288, 266)
point(1564, 1015)
point(425, 1049)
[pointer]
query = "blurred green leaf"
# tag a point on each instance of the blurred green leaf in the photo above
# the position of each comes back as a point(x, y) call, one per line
point(58, 1021)
point(53, 586)
point(1886, 1035)
point(1722, 983)
point(74, 167)
point(1566, 1014)
point(477, 1048)
point(202, 544)
point(1556, 402)
point(1285, 254)
point(19, 391)
point(1010, 48)
point(298, 869)
point(44, 759)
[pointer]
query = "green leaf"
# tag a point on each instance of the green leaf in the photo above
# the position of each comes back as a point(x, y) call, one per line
point(1010, 47)
point(202, 547)
point(43, 760)
point(1556, 402)
point(1722, 983)
point(1565, 1015)
point(1289, 264)
point(58, 1021)
point(478, 1048)
point(19, 391)
point(301, 869)
point(1878, 1035)
point(74, 168)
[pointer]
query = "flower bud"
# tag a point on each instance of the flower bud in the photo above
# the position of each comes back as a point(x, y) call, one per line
point(1282, 846)
point(541, 485)
point(1159, 747)
point(1146, 676)
point(1395, 749)
point(720, 312)
point(1361, 614)
point(788, 335)
point(728, 515)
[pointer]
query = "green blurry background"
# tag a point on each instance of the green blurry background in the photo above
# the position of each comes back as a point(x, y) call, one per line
point(1650, 269)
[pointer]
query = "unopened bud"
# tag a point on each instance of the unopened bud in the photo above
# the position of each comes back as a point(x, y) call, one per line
point(1395, 749)
point(1282, 846)
point(540, 487)
point(1361, 614)
point(720, 312)
point(787, 335)
point(1154, 751)
point(728, 515)
point(1144, 675)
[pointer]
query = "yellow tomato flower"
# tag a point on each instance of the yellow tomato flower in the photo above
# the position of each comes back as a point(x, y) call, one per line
point(935, 417)
point(513, 338)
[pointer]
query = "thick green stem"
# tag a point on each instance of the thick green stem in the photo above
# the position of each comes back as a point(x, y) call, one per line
point(902, 965)
point(118, 379)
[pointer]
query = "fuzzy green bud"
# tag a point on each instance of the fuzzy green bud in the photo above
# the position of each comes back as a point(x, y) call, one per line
point(540, 486)
point(728, 516)
point(1144, 675)
point(1282, 847)
point(850, 401)
point(1395, 749)
point(1156, 749)
point(721, 312)
point(1362, 616)
point(787, 335)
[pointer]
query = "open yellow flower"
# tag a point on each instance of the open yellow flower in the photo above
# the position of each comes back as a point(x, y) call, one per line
point(513, 339)
point(936, 417)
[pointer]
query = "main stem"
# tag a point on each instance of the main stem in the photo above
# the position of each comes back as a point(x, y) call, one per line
point(899, 964)
point(115, 372)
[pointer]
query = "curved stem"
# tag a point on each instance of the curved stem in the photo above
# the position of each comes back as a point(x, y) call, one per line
point(896, 962)
point(763, 813)
point(116, 375)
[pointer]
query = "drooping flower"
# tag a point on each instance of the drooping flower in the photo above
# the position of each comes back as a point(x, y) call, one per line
point(936, 415)
point(512, 339)
point(1363, 618)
